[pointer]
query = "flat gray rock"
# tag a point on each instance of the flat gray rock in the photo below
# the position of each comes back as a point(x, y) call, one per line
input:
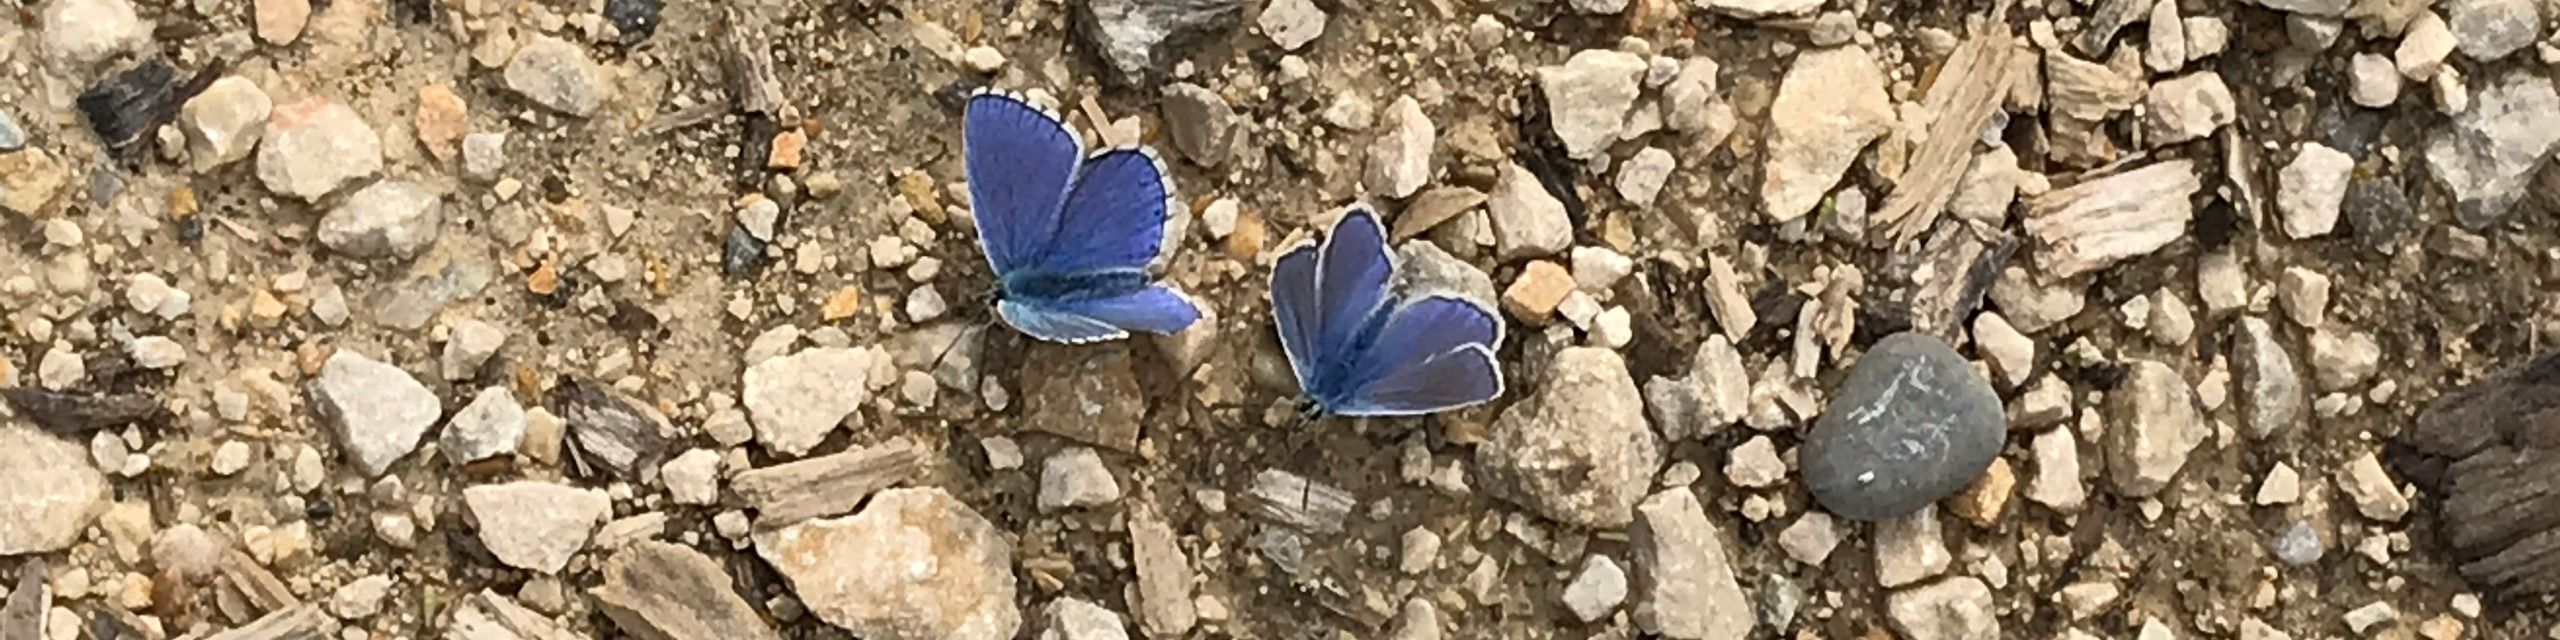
point(48, 490)
point(1913, 423)
point(377, 410)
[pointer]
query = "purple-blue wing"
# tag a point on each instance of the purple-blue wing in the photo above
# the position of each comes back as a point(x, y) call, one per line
point(1294, 307)
point(1154, 308)
point(1114, 217)
point(1353, 269)
point(1434, 354)
point(1022, 161)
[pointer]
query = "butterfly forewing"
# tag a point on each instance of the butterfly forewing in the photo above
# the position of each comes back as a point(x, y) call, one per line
point(1021, 163)
point(1114, 217)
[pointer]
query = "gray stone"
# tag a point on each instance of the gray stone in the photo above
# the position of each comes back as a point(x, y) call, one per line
point(915, 564)
point(2342, 361)
point(2168, 35)
point(2373, 80)
point(1164, 577)
point(224, 123)
point(1528, 222)
point(1139, 39)
point(1075, 477)
point(2311, 188)
point(484, 155)
point(2187, 108)
point(12, 136)
point(1642, 177)
point(1577, 450)
point(86, 32)
point(1291, 23)
point(1811, 539)
point(2487, 30)
point(693, 478)
point(1400, 160)
point(468, 345)
point(377, 411)
point(1074, 619)
point(797, 400)
point(1600, 7)
point(1913, 423)
point(2272, 400)
point(1831, 105)
point(1200, 122)
point(315, 146)
point(1716, 393)
point(49, 490)
point(2485, 156)
point(2313, 33)
point(1417, 620)
point(559, 76)
point(2152, 425)
point(1588, 97)
point(2298, 545)
point(1958, 608)
point(535, 525)
point(1780, 598)
point(1687, 98)
point(491, 426)
point(390, 218)
point(489, 616)
point(360, 599)
point(1423, 268)
point(2371, 487)
point(1597, 590)
point(1909, 549)
point(1684, 577)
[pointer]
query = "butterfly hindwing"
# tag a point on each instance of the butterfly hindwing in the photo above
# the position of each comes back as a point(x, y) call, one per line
point(1294, 307)
point(1022, 161)
point(1114, 217)
point(1441, 382)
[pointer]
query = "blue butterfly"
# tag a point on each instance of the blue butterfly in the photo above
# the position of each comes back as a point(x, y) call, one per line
point(1358, 350)
point(1070, 237)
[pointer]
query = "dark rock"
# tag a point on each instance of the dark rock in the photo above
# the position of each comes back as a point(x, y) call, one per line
point(127, 106)
point(1139, 39)
point(76, 414)
point(2377, 212)
point(1913, 423)
point(1202, 125)
point(614, 433)
point(636, 19)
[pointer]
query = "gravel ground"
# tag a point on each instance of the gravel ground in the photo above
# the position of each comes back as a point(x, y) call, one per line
point(492, 319)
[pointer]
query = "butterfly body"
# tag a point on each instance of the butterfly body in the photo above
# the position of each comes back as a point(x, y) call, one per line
point(1072, 239)
point(1360, 350)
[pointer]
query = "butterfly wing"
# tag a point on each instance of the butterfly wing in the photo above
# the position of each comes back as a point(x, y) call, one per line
point(1114, 218)
point(1022, 161)
point(1294, 307)
point(1433, 355)
point(1151, 308)
point(1352, 272)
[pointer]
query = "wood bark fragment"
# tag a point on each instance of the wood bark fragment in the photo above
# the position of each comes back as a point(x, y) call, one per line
point(1294, 500)
point(263, 591)
point(2086, 91)
point(2095, 223)
point(1938, 284)
point(300, 622)
point(660, 591)
point(78, 414)
point(1969, 90)
point(787, 494)
point(2111, 17)
point(1433, 207)
point(747, 66)
point(23, 617)
point(2489, 455)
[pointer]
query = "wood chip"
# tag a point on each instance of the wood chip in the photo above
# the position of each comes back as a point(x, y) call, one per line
point(78, 414)
point(2487, 453)
point(2087, 91)
point(1969, 89)
point(263, 591)
point(2093, 224)
point(1937, 284)
point(1293, 500)
point(23, 617)
point(614, 433)
point(660, 591)
point(489, 616)
point(747, 66)
point(826, 486)
point(300, 622)
point(1431, 208)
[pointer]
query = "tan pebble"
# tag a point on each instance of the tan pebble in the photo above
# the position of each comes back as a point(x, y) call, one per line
point(1246, 241)
point(917, 188)
point(443, 118)
point(844, 304)
point(1982, 502)
point(1533, 296)
point(788, 147)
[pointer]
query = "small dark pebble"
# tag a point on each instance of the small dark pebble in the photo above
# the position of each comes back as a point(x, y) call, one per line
point(636, 19)
point(125, 106)
point(1912, 424)
point(743, 255)
point(319, 510)
point(954, 97)
point(2215, 224)
point(755, 150)
point(2377, 212)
